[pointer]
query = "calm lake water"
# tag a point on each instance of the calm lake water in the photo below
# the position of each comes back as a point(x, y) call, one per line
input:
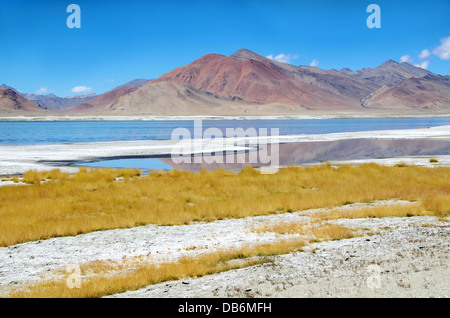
point(145, 163)
point(44, 132)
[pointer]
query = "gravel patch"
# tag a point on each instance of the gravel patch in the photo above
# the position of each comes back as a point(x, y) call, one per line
point(410, 261)
point(30, 262)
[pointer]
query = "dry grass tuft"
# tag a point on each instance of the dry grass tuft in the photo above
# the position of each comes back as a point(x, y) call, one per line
point(108, 282)
point(102, 278)
point(381, 211)
point(315, 231)
point(93, 199)
point(57, 204)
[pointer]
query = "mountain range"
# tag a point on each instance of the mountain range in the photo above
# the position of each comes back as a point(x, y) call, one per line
point(11, 103)
point(51, 101)
point(248, 83)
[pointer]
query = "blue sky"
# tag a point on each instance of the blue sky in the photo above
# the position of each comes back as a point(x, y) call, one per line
point(123, 40)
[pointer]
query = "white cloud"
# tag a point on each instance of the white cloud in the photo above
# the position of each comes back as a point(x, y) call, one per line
point(443, 50)
point(406, 58)
point(314, 63)
point(424, 54)
point(42, 90)
point(424, 64)
point(81, 89)
point(284, 58)
point(110, 80)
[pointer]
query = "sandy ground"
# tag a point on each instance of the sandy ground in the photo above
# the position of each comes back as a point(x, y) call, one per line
point(411, 255)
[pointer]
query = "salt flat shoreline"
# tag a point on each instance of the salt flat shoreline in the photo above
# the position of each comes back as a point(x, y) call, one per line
point(17, 159)
point(309, 116)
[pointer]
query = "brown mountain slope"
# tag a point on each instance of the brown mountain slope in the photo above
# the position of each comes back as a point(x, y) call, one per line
point(254, 81)
point(11, 103)
point(428, 92)
point(391, 73)
point(333, 82)
point(169, 98)
point(247, 82)
point(247, 55)
point(104, 101)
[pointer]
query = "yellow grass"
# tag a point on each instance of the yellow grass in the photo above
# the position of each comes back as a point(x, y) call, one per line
point(380, 211)
point(96, 199)
point(108, 282)
point(314, 230)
